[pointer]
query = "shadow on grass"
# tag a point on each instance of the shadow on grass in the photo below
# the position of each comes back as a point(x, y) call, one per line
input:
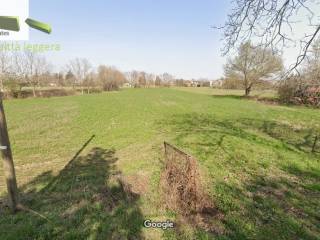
point(230, 96)
point(283, 136)
point(263, 99)
point(300, 138)
point(280, 203)
point(86, 200)
point(269, 207)
point(211, 132)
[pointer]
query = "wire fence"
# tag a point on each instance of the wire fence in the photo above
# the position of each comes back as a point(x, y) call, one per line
point(181, 180)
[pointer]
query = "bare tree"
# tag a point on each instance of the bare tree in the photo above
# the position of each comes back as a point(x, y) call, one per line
point(69, 78)
point(252, 64)
point(312, 67)
point(274, 23)
point(60, 79)
point(41, 68)
point(29, 67)
point(158, 81)
point(5, 66)
point(19, 65)
point(142, 81)
point(150, 78)
point(167, 79)
point(90, 81)
point(110, 78)
point(133, 77)
point(17, 76)
point(80, 68)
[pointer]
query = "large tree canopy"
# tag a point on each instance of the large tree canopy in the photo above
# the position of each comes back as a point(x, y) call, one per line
point(252, 64)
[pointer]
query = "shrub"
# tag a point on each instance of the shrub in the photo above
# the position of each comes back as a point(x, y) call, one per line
point(110, 86)
point(294, 91)
point(287, 89)
point(56, 93)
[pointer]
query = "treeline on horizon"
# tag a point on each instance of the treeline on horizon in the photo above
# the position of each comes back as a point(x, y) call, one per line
point(28, 73)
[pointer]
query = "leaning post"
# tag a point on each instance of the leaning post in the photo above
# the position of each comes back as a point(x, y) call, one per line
point(314, 144)
point(8, 165)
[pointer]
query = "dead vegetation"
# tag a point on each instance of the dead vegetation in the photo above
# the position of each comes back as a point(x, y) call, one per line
point(184, 194)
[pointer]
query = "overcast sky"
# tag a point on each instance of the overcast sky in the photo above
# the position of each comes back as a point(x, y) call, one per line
point(156, 36)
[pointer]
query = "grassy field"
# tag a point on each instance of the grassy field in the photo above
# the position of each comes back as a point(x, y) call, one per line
point(229, 92)
point(70, 152)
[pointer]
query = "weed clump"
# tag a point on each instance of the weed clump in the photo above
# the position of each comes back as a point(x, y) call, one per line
point(184, 193)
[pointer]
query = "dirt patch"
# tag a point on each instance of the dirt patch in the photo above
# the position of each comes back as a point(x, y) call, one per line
point(184, 193)
point(118, 192)
point(138, 183)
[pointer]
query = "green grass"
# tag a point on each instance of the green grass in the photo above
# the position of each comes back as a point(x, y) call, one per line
point(229, 92)
point(255, 160)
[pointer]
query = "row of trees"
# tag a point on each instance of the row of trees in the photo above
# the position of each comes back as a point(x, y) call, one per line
point(253, 66)
point(22, 69)
point(28, 69)
point(18, 70)
point(143, 79)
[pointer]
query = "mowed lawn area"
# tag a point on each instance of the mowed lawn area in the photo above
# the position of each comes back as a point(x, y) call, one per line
point(70, 152)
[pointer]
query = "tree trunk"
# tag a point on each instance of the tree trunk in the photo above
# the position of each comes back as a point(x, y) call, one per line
point(1, 84)
point(39, 87)
point(34, 91)
point(8, 164)
point(248, 90)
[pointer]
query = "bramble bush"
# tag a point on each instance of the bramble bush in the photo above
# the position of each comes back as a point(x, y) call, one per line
point(294, 91)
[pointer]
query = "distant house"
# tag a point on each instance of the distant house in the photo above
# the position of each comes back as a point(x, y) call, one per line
point(216, 83)
point(127, 85)
point(195, 83)
point(187, 83)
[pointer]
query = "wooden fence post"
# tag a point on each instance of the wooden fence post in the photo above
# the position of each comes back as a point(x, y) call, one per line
point(8, 165)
